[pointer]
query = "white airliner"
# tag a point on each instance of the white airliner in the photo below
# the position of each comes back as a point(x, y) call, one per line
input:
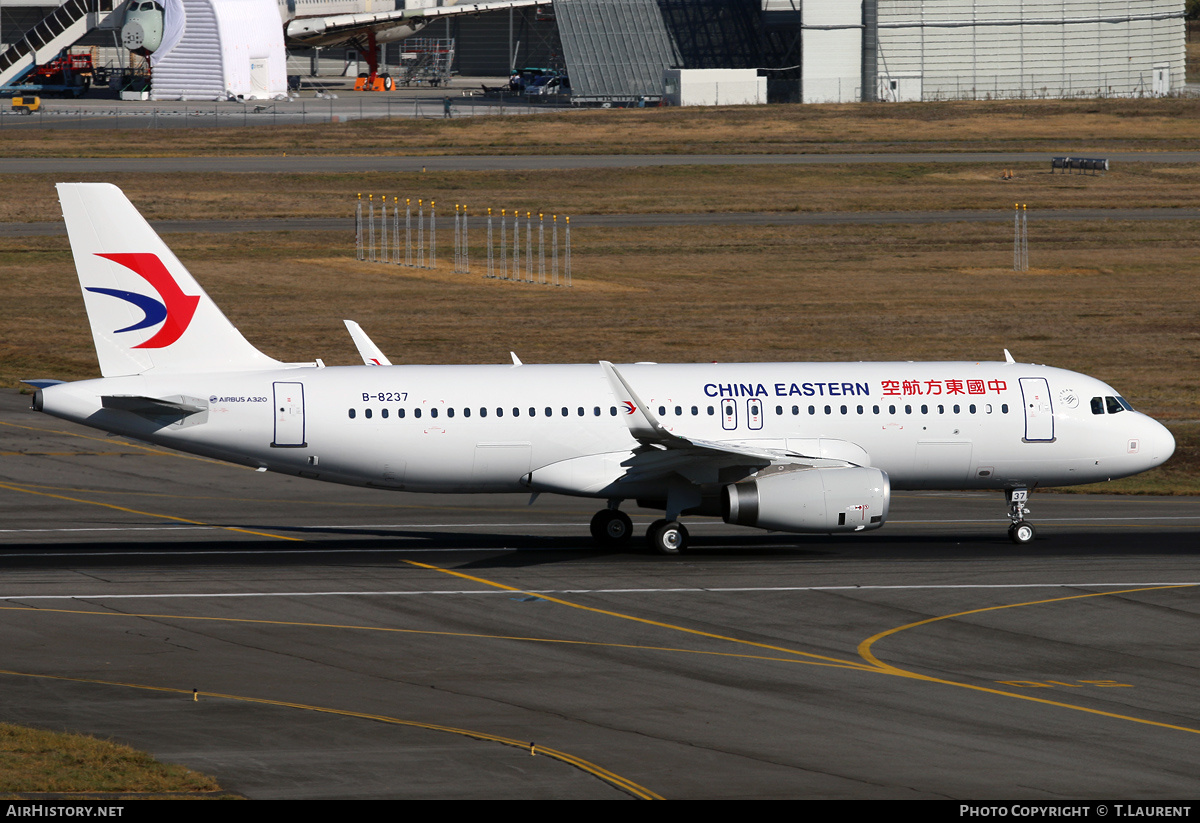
point(796, 447)
point(364, 23)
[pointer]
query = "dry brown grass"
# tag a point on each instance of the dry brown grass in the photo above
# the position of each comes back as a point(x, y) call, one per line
point(1113, 299)
point(33, 760)
point(916, 292)
point(687, 189)
point(1048, 125)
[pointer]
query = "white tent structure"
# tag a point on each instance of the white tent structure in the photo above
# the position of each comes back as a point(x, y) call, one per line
point(220, 50)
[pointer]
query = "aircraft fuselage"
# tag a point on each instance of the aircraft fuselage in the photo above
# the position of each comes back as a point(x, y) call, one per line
point(955, 425)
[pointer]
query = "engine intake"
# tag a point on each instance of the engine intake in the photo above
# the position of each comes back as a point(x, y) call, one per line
point(824, 500)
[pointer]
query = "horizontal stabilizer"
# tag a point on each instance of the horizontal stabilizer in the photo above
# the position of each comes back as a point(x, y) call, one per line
point(154, 406)
point(42, 383)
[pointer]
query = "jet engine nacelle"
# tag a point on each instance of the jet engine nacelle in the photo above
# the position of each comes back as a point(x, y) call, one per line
point(823, 500)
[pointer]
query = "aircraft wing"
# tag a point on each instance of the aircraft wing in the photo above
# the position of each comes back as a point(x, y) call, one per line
point(330, 28)
point(648, 431)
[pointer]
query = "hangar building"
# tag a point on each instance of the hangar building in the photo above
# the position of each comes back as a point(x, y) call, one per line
point(979, 49)
point(822, 50)
point(851, 50)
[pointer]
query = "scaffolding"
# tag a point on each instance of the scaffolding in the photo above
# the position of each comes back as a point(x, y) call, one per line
point(426, 61)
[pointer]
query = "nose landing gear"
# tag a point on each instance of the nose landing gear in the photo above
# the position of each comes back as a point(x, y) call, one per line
point(1020, 532)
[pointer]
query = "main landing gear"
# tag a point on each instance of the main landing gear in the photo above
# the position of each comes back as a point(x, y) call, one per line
point(1020, 532)
point(667, 536)
point(612, 527)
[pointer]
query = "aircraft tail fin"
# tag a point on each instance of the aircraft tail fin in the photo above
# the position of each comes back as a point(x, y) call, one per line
point(147, 312)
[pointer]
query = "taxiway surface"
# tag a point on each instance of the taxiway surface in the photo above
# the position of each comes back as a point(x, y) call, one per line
point(359, 643)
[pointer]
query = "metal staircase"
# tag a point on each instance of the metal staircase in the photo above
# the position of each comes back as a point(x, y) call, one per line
point(59, 30)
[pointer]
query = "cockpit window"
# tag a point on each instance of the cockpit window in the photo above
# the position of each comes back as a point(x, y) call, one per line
point(1097, 405)
point(1113, 406)
point(1124, 403)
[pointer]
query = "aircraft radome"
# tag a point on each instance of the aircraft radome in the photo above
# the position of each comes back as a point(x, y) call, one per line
point(794, 447)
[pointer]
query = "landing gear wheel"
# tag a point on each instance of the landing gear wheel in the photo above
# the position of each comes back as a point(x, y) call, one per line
point(1021, 532)
point(652, 530)
point(611, 527)
point(668, 537)
point(388, 83)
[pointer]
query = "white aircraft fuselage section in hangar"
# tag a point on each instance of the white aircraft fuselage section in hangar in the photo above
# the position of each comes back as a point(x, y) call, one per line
point(801, 447)
point(152, 29)
point(325, 22)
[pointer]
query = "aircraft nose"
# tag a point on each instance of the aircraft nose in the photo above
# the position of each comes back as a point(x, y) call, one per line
point(1158, 444)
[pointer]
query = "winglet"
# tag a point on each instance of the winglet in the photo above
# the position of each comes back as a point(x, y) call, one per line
point(642, 423)
point(1008, 358)
point(367, 349)
point(516, 360)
